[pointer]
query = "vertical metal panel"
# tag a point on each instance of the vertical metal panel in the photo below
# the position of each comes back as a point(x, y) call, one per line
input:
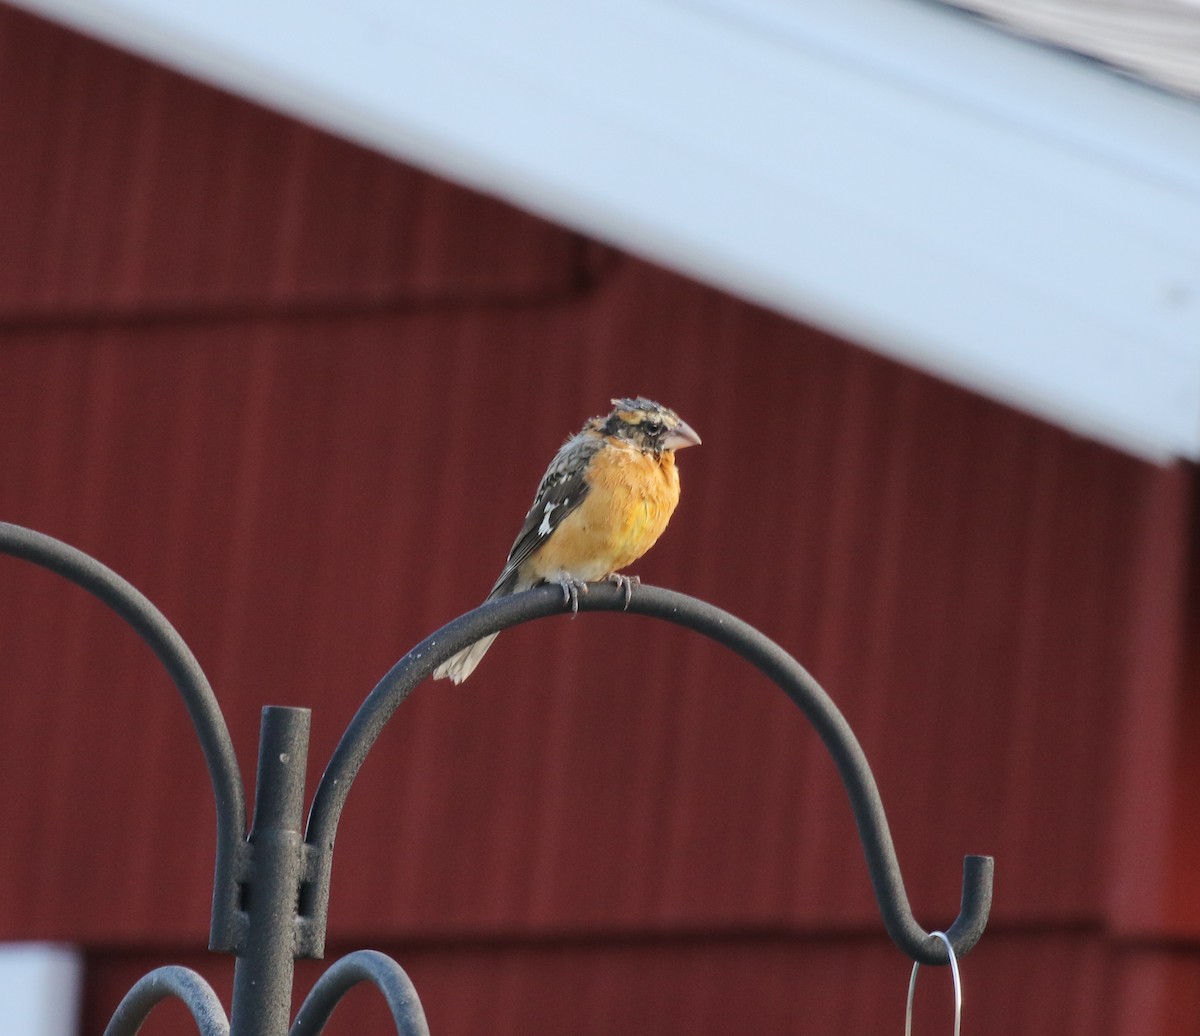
point(124, 185)
point(1154, 801)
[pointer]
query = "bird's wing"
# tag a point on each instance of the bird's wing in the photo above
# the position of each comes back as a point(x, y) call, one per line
point(562, 489)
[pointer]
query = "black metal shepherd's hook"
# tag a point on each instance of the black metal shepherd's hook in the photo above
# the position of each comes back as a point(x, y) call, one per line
point(189, 679)
point(722, 627)
point(271, 886)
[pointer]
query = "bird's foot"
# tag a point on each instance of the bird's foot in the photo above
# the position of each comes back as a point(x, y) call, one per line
point(571, 588)
point(626, 583)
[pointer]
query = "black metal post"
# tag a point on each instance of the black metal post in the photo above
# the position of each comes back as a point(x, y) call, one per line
point(263, 975)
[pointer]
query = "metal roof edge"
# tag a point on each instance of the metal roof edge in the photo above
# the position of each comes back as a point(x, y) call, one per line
point(1003, 215)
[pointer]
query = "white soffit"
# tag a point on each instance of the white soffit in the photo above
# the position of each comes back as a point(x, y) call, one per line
point(1004, 215)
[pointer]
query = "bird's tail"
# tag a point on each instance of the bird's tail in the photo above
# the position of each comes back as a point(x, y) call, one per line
point(458, 667)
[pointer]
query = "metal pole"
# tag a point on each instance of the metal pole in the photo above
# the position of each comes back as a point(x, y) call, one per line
point(265, 969)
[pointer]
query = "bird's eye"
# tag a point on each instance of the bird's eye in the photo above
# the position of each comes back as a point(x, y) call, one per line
point(652, 427)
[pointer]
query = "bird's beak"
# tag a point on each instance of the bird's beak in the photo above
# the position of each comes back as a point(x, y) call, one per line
point(681, 436)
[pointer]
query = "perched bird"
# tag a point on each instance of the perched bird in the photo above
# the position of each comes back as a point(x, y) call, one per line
point(603, 502)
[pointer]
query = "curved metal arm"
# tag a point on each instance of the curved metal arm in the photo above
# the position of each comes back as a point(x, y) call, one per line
point(189, 679)
point(720, 626)
point(151, 989)
point(362, 966)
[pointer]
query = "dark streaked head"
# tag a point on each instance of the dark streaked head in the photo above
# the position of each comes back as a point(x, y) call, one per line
point(649, 426)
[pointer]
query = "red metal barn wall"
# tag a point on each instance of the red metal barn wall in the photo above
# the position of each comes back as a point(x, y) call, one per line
point(300, 396)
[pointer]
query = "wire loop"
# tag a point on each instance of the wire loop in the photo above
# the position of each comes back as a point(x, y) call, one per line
point(912, 987)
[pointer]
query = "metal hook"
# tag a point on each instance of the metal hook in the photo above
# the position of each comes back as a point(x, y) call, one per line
point(164, 983)
point(912, 987)
point(176, 657)
point(718, 625)
point(362, 966)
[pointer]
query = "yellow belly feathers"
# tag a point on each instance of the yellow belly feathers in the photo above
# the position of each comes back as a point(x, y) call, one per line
point(631, 498)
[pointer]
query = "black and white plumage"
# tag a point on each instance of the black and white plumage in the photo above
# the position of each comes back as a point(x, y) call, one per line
point(603, 502)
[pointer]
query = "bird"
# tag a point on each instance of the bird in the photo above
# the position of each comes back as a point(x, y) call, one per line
point(604, 501)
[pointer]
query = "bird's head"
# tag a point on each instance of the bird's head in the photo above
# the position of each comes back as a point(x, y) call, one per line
point(649, 426)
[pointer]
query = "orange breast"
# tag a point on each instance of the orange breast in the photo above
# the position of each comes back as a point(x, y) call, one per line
point(630, 500)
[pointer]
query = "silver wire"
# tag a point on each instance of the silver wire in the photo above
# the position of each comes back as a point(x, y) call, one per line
point(912, 988)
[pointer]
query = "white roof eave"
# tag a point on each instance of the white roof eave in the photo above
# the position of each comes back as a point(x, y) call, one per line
point(1005, 216)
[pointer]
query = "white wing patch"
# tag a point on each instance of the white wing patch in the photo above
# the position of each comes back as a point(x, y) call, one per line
point(545, 528)
point(562, 489)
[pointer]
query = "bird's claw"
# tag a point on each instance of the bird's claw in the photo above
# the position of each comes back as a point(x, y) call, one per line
point(572, 588)
point(626, 583)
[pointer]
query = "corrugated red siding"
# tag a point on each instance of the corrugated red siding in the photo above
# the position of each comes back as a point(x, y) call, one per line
point(613, 818)
point(305, 505)
point(125, 186)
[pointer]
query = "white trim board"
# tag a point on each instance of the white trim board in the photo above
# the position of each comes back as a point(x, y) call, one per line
point(40, 989)
point(1001, 214)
